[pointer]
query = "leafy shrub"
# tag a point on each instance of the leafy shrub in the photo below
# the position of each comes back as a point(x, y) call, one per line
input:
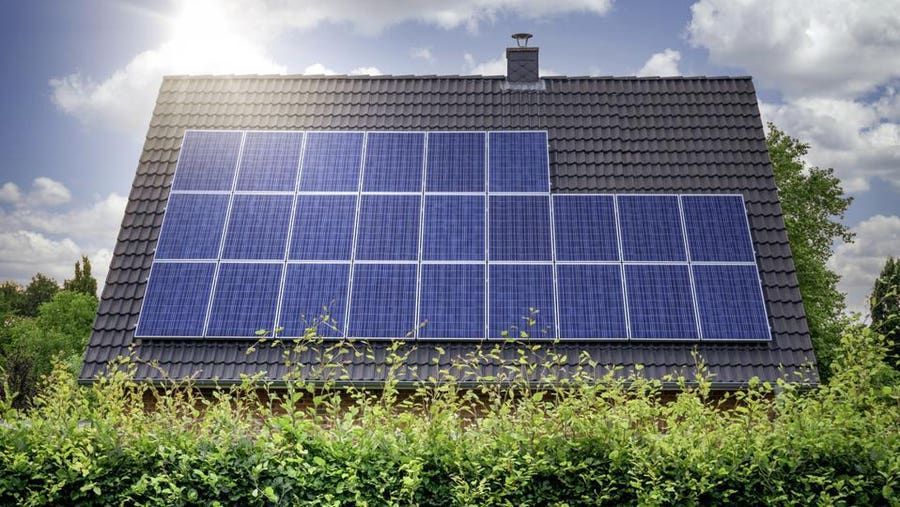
point(578, 442)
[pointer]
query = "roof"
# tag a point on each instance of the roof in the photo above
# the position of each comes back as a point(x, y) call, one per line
point(606, 135)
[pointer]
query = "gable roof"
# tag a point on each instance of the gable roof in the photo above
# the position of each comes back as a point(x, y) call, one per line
point(606, 135)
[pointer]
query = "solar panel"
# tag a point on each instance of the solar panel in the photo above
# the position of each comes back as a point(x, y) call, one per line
point(394, 162)
point(717, 228)
point(591, 301)
point(651, 228)
point(176, 298)
point(258, 227)
point(207, 161)
point(520, 228)
point(383, 301)
point(452, 301)
point(315, 295)
point(455, 162)
point(521, 301)
point(518, 162)
point(454, 227)
point(660, 305)
point(323, 227)
point(730, 303)
point(388, 227)
point(585, 228)
point(331, 161)
point(244, 299)
point(269, 161)
point(193, 226)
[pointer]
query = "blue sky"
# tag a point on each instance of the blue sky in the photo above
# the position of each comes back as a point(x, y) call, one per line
point(82, 77)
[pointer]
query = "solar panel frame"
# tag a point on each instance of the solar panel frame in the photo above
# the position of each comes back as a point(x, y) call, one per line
point(678, 251)
point(518, 184)
point(181, 180)
point(193, 203)
point(741, 249)
point(428, 299)
point(322, 182)
point(226, 287)
point(329, 273)
point(692, 332)
point(158, 271)
point(255, 236)
point(547, 331)
point(287, 180)
point(728, 292)
point(584, 277)
point(375, 179)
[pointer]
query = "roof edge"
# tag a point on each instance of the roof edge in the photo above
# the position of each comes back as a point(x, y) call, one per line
point(447, 76)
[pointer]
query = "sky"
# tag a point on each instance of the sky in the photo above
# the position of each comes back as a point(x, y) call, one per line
point(82, 76)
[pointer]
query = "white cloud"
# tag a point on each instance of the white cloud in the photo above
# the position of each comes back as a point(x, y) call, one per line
point(860, 262)
point(366, 71)
point(825, 47)
point(317, 69)
point(48, 191)
point(422, 54)
point(664, 63)
point(10, 193)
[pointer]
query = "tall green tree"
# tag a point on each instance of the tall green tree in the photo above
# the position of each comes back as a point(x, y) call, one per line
point(12, 297)
point(813, 203)
point(885, 306)
point(41, 289)
point(83, 281)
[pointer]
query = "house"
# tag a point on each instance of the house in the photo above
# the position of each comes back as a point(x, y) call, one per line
point(618, 137)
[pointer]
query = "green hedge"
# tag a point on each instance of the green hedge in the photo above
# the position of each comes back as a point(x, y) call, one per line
point(584, 443)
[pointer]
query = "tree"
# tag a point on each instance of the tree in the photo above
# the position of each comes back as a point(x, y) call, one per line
point(41, 289)
point(885, 307)
point(82, 282)
point(813, 203)
point(12, 298)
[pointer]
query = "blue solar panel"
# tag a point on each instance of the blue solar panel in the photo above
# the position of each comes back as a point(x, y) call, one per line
point(383, 301)
point(452, 301)
point(258, 227)
point(394, 162)
point(455, 162)
point(660, 305)
point(585, 228)
point(176, 299)
point(207, 161)
point(388, 227)
point(519, 292)
point(193, 226)
point(331, 161)
point(520, 228)
point(454, 227)
point(730, 303)
point(269, 161)
point(244, 299)
point(651, 228)
point(717, 228)
point(314, 296)
point(518, 162)
point(591, 301)
point(323, 227)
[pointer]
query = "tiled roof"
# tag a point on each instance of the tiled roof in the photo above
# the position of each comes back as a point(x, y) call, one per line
point(676, 135)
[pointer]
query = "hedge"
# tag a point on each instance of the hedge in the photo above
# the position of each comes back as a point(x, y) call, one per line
point(613, 441)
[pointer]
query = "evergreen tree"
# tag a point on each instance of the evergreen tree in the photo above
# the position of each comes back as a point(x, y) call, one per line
point(83, 281)
point(41, 289)
point(885, 305)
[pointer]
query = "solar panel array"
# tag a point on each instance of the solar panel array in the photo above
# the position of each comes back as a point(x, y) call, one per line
point(436, 235)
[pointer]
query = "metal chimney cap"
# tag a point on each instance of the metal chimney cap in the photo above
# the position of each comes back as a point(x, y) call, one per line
point(522, 39)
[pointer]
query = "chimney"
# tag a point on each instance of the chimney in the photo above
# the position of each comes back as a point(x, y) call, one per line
point(522, 61)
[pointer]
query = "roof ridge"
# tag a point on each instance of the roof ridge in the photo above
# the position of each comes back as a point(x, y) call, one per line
point(449, 76)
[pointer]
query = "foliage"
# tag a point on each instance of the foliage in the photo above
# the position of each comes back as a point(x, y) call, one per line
point(40, 290)
point(28, 346)
point(83, 281)
point(555, 442)
point(813, 202)
point(885, 305)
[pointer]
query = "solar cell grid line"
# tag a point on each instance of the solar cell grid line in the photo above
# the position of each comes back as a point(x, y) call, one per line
point(651, 228)
point(207, 160)
point(687, 253)
point(258, 227)
point(591, 304)
point(660, 302)
point(717, 228)
point(244, 299)
point(176, 300)
point(382, 301)
point(622, 267)
point(388, 227)
point(585, 227)
point(456, 162)
point(355, 240)
point(332, 161)
point(269, 161)
point(192, 226)
point(553, 256)
point(487, 238)
point(519, 161)
point(323, 227)
point(314, 295)
point(453, 227)
point(519, 292)
point(520, 228)
point(451, 301)
point(421, 236)
point(394, 162)
point(730, 302)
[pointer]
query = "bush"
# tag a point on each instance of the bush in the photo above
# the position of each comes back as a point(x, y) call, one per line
point(580, 442)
